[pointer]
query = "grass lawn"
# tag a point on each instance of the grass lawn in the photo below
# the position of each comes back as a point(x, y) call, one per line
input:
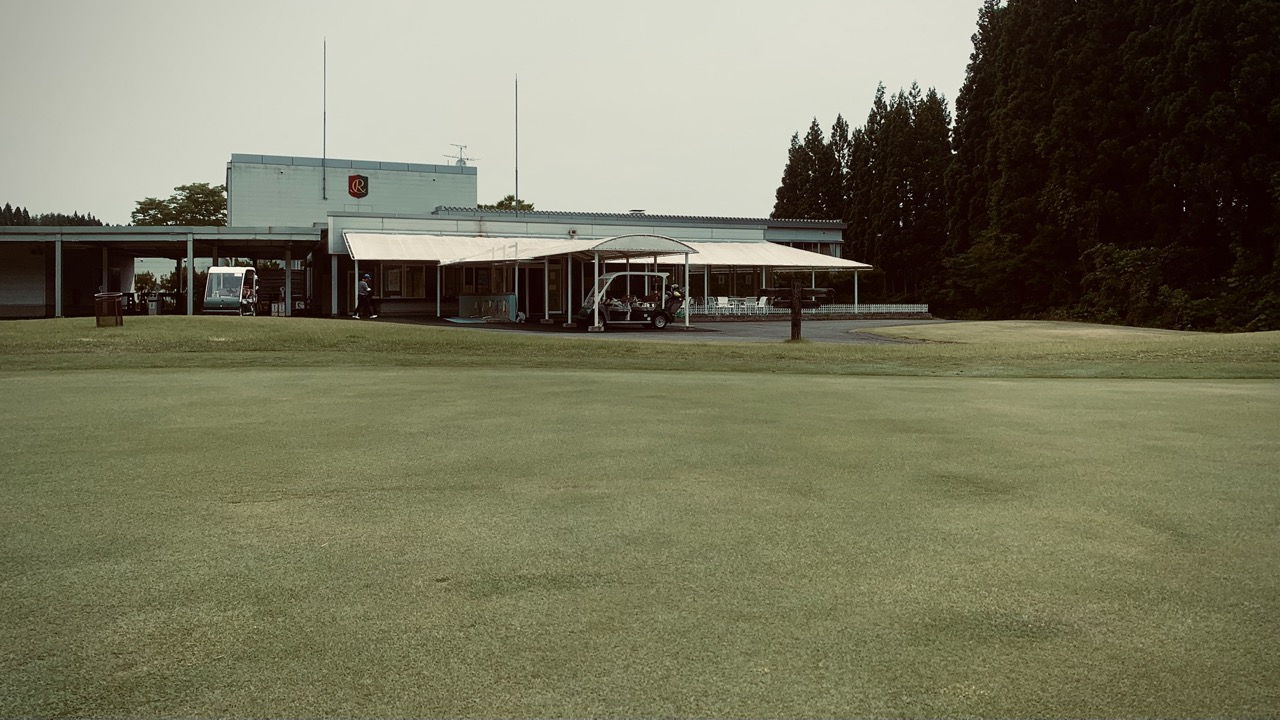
point(269, 517)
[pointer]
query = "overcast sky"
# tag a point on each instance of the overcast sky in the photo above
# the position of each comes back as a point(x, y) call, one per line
point(680, 107)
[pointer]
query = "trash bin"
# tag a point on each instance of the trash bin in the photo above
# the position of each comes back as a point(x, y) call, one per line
point(109, 309)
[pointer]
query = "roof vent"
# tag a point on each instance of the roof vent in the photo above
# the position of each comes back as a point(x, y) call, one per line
point(637, 212)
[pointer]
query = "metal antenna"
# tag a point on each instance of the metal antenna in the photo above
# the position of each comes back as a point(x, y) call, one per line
point(461, 158)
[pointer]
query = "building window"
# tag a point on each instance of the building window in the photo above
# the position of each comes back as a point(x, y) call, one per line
point(391, 281)
point(415, 281)
point(404, 281)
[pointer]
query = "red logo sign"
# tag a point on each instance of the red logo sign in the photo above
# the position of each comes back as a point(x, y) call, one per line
point(357, 185)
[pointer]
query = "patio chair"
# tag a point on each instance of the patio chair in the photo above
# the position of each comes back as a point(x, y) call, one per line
point(762, 305)
point(722, 305)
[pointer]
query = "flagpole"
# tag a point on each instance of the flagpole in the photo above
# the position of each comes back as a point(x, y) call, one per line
point(517, 203)
point(324, 141)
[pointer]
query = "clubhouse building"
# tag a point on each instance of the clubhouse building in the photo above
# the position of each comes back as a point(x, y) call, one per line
point(417, 231)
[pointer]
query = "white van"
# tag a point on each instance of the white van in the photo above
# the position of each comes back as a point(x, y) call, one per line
point(231, 290)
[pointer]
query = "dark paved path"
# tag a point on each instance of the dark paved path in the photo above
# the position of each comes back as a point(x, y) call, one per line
point(823, 331)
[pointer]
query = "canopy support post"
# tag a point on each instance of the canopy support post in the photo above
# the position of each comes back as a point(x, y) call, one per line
point(688, 309)
point(596, 326)
point(438, 278)
point(546, 291)
point(570, 311)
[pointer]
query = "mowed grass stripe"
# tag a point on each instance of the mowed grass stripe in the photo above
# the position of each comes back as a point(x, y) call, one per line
point(961, 350)
point(490, 542)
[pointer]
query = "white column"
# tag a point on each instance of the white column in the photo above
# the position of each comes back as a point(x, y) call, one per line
point(764, 283)
point(356, 288)
point(571, 307)
point(546, 289)
point(288, 281)
point(57, 276)
point(333, 286)
point(855, 292)
point(687, 308)
point(191, 274)
point(595, 305)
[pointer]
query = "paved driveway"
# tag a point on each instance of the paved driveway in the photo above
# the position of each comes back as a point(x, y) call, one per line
point(823, 331)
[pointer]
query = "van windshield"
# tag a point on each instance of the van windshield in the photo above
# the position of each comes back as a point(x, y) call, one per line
point(224, 285)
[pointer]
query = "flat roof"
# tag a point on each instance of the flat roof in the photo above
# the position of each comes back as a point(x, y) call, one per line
point(351, 164)
point(170, 241)
point(81, 233)
point(575, 217)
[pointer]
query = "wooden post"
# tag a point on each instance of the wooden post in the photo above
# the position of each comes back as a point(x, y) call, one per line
point(795, 310)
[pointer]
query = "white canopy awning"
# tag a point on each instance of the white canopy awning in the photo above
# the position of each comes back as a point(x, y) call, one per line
point(450, 250)
point(761, 254)
point(413, 248)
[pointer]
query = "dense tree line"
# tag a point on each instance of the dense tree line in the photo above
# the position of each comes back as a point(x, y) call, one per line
point(507, 203)
point(195, 204)
point(11, 216)
point(1108, 161)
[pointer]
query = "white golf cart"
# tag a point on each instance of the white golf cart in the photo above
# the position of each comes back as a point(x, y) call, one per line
point(654, 302)
point(231, 290)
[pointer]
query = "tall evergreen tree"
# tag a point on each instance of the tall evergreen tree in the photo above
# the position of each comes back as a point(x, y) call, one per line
point(812, 181)
point(895, 192)
point(788, 199)
point(1120, 162)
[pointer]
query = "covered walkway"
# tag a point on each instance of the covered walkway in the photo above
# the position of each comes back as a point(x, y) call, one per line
point(510, 252)
point(692, 263)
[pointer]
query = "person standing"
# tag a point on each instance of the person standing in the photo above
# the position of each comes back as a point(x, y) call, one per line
point(365, 305)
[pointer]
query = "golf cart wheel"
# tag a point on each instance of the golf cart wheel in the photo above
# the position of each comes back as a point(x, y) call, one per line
point(660, 320)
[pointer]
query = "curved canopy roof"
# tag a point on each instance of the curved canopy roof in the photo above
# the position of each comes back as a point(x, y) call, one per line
point(452, 250)
point(761, 254)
